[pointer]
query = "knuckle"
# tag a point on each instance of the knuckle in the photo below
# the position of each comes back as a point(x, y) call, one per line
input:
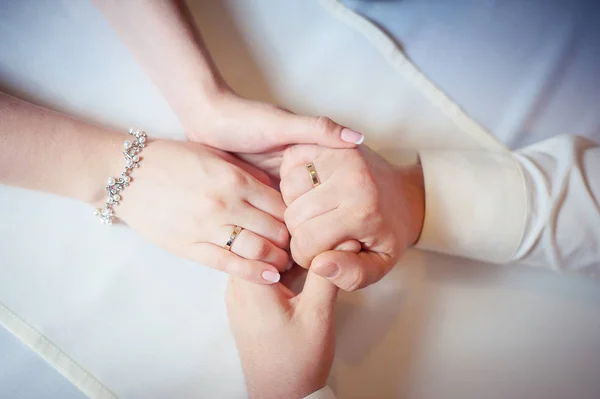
point(262, 249)
point(359, 280)
point(217, 205)
point(286, 188)
point(283, 235)
point(289, 217)
point(366, 213)
point(325, 125)
point(363, 180)
point(299, 245)
point(235, 178)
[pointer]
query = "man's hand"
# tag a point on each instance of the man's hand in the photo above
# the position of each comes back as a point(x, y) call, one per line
point(286, 342)
point(361, 197)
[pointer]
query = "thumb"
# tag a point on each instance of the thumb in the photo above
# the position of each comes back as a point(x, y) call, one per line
point(316, 130)
point(319, 294)
point(349, 245)
point(351, 271)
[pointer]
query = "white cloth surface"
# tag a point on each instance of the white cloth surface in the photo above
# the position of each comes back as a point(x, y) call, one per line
point(147, 325)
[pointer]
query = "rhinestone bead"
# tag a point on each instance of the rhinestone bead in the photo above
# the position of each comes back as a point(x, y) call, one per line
point(142, 139)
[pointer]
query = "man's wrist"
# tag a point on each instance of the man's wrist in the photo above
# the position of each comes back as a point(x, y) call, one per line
point(411, 196)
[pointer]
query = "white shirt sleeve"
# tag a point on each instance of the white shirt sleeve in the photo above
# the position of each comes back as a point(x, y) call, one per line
point(323, 393)
point(539, 205)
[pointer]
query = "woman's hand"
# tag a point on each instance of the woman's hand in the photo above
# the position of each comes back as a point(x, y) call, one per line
point(188, 199)
point(286, 342)
point(361, 197)
point(258, 132)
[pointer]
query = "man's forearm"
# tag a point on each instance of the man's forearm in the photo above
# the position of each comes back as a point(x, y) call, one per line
point(48, 151)
point(162, 38)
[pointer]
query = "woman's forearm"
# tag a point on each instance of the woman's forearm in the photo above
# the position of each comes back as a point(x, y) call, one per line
point(47, 151)
point(162, 38)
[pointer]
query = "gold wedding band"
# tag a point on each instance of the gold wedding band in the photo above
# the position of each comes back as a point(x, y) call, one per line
point(232, 237)
point(313, 174)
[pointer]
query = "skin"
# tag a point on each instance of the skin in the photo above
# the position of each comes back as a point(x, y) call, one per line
point(171, 51)
point(285, 341)
point(198, 193)
point(184, 187)
point(361, 198)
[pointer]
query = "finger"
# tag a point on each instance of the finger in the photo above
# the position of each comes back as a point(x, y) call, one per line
point(262, 224)
point(218, 258)
point(317, 201)
point(298, 181)
point(250, 245)
point(298, 155)
point(316, 130)
point(318, 295)
point(350, 245)
point(351, 271)
point(318, 235)
point(265, 198)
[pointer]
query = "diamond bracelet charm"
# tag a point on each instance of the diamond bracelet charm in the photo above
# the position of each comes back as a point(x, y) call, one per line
point(117, 184)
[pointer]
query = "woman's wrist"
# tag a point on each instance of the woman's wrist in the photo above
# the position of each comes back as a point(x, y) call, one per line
point(105, 160)
point(201, 112)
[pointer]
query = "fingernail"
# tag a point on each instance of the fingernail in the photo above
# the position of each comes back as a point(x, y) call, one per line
point(350, 136)
point(271, 277)
point(289, 265)
point(328, 270)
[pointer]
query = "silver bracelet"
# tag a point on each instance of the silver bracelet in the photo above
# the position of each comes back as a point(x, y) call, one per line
point(116, 185)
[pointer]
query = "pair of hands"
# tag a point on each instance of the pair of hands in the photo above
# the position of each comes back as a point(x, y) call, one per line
point(199, 194)
point(350, 230)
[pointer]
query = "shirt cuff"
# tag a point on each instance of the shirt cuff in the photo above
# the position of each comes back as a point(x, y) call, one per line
point(323, 393)
point(475, 204)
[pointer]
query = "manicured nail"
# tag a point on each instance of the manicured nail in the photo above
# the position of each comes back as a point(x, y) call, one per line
point(289, 265)
point(271, 277)
point(350, 136)
point(328, 270)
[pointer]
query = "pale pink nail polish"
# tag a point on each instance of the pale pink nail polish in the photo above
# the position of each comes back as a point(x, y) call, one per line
point(271, 277)
point(350, 136)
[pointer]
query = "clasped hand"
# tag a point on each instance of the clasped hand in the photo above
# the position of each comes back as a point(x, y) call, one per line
point(350, 229)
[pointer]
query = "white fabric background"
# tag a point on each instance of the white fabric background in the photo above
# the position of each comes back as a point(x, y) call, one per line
point(149, 325)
